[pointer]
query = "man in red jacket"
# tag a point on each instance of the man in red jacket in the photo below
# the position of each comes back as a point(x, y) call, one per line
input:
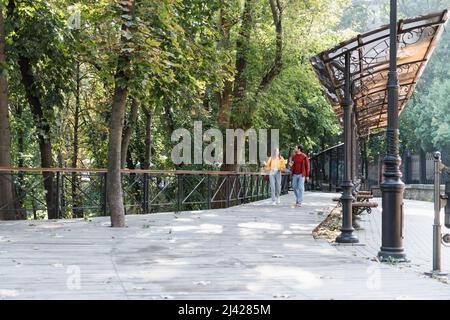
point(300, 172)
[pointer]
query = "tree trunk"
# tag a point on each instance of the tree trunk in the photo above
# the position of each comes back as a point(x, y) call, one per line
point(7, 211)
point(128, 131)
point(232, 96)
point(277, 64)
point(43, 129)
point(240, 82)
point(76, 200)
point(223, 98)
point(114, 187)
point(169, 119)
point(148, 138)
point(21, 192)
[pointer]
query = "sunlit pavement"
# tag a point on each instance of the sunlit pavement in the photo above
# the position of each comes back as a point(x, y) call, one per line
point(418, 236)
point(255, 251)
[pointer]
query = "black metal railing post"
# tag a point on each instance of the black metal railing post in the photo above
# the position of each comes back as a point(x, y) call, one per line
point(330, 160)
point(57, 195)
point(248, 190)
point(179, 192)
point(407, 167)
point(336, 166)
point(208, 191)
point(227, 190)
point(145, 186)
point(105, 199)
point(423, 167)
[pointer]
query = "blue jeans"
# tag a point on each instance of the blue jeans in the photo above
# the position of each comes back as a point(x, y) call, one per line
point(275, 184)
point(298, 184)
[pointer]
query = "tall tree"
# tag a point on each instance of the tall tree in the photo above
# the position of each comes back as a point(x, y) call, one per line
point(6, 190)
point(40, 52)
point(121, 87)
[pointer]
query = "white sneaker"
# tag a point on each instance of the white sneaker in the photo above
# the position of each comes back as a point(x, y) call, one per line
point(278, 200)
point(274, 203)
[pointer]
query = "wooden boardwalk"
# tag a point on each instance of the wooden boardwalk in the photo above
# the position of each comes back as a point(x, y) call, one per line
point(255, 251)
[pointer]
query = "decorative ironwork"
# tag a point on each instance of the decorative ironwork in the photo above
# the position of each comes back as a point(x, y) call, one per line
point(369, 67)
point(83, 194)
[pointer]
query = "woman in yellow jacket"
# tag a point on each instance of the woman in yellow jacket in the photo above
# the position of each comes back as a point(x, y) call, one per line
point(274, 166)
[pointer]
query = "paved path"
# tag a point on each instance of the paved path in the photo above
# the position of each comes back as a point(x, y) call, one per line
point(255, 251)
point(418, 239)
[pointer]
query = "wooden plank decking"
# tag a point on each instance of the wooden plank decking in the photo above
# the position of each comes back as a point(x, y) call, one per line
point(255, 251)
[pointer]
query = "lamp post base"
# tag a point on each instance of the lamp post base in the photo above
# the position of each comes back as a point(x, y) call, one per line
point(436, 274)
point(392, 213)
point(347, 237)
point(386, 255)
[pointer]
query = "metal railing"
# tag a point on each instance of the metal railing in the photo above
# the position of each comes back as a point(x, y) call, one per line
point(327, 169)
point(82, 192)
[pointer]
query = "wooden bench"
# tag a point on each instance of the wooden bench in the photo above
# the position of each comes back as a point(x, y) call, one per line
point(360, 204)
point(359, 207)
point(363, 197)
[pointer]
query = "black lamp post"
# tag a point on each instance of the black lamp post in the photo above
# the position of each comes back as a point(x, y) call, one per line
point(347, 235)
point(392, 187)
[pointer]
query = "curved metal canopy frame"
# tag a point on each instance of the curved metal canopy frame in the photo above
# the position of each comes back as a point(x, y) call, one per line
point(369, 67)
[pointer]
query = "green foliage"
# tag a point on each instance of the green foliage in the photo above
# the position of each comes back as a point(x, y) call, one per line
point(180, 61)
point(295, 105)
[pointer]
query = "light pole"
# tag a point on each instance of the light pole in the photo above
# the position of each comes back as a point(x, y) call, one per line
point(347, 235)
point(392, 187)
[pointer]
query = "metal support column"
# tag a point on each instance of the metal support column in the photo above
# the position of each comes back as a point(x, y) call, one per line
point(347, 235)
point(354, 149)
point(392, 187)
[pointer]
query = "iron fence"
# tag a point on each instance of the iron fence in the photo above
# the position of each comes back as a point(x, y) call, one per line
point(327, 169)
point(82, 192)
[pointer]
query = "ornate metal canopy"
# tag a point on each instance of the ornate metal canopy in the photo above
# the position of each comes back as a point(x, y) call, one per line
point(369, 67)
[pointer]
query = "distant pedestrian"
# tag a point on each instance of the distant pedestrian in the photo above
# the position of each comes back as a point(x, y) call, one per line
point(300, 172)
point(275, 165)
